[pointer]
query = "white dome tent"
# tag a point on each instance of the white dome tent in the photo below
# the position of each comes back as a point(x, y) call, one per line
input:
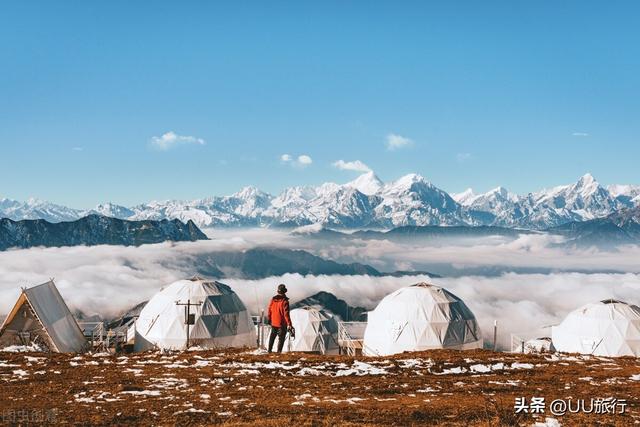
point(605, 328)
point(316, 331)
point(220, 318)
point(420, 317)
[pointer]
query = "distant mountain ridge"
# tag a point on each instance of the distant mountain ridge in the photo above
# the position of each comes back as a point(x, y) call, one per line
point(366, 202)
point(328, 301)
point(621, 227)
point(94, 230)
point(261, 262)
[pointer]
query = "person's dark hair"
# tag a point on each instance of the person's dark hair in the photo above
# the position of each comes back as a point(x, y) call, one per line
point(282, 289)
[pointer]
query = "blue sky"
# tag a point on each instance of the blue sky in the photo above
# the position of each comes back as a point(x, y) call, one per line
point(520, 94)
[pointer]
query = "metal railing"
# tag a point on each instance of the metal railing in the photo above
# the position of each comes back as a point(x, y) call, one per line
point(351, 337)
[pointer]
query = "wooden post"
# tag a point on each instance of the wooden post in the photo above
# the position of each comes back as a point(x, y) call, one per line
point(261, 330)
point(187, 315)
point(495, 335)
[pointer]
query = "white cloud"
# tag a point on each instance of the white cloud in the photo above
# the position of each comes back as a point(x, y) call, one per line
point(355, 165)
point(171, 139)
point(463, 157)
point(583, 134)
point(77, 149)
point(395, 142)
point(302, 161)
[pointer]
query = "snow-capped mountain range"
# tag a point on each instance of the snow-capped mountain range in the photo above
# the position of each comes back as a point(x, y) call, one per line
point(365, 202)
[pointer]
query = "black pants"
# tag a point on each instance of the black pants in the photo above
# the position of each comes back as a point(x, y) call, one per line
point(279, 332)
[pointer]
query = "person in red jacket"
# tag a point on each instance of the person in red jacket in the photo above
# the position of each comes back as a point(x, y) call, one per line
point(278, 318)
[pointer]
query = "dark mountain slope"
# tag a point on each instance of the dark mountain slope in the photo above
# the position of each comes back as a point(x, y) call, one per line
point(621, 227)
point(335, 305)
point(94, 230)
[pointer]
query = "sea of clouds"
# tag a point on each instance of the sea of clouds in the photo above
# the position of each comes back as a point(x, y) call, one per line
point(107, 280)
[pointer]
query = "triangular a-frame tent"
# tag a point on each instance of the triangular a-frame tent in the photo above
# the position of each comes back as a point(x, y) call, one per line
point(40, 316)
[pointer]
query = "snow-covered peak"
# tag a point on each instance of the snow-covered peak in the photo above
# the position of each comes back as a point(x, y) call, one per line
point(296, 195)
point(36, 209)
point(583, 188)
point(111, 210)
point(365, 202)
point(586, 179)
point(500, 192)
point(34, 201)
point(250, 192)
point(410, 179)
point(327, 189)
point(587, 185)
point(465, 197)
point(497, 201)
point(405, 183)
point(624, 190)
point(367, 183)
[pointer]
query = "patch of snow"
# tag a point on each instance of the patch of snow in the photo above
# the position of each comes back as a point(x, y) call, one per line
point(191, 410)
point(548, 422)
point(360, 368)
point(513, 383)
point(102, 354)
point(414, 363)
point(350, 400)
point(456, 370)
point(22, 348)
point(518, 365)
point(480, 368)
point(142, 392)
point(261, 365)
point(309, 371)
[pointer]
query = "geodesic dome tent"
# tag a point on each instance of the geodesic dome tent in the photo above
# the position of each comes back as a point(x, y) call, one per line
point(605, 328)
point(420, 317)
point(316, 331)
point(220, 318)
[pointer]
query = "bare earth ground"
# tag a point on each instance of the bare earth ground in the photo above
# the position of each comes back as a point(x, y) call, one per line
point(243, 388)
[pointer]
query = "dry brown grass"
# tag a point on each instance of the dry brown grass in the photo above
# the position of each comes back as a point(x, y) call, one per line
point(98, 390)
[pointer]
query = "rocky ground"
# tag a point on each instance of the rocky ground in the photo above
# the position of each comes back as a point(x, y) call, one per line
point(244, 388)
